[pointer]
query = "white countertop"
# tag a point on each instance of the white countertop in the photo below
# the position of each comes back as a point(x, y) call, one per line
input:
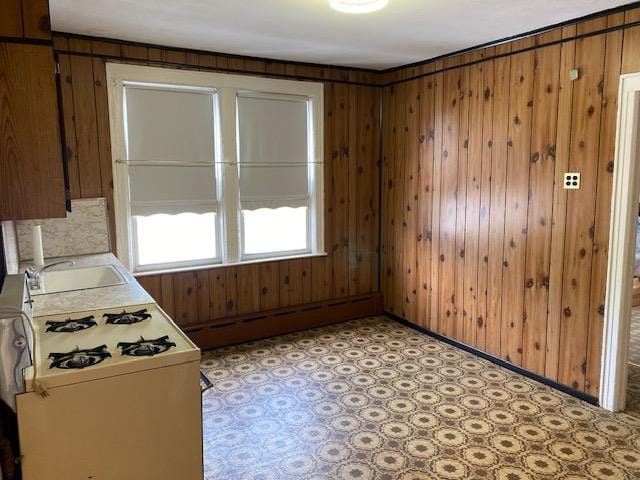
point(129, 293)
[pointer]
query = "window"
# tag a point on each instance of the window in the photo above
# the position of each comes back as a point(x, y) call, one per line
point(214, 169)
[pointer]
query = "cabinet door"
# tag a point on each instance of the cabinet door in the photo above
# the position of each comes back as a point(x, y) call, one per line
point(31, 169)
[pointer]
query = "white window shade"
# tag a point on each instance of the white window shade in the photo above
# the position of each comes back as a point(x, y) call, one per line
point(172, 189)
point(166, 124)
point(170, 149)
point(273, 148)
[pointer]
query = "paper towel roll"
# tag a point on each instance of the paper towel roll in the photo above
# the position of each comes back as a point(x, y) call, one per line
point(38, 253)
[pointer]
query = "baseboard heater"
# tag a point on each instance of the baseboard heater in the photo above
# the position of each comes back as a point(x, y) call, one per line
point(244, 328)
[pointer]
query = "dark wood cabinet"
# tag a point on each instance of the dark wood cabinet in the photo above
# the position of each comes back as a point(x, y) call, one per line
point(32, 181)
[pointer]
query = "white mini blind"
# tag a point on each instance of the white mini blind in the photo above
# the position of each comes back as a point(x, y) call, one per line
point(170, 150)
point(273, 148)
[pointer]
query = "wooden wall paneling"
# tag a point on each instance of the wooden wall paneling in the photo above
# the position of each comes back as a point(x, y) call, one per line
point(376, 188)
point(498, 191)
point(472, 208)
point(104, 143)
point(363, 210)
point(388, 153)
point(231, 281)
point(204, 295)
point(167, 300)
point(541, 180)
point(397, 261)
point(100, 48)
point(340, 230)
point(70, 143)
point(84, 108)
point(410, 204)
point(331, 156)
point(270, 293)
point(630, 57)
point(176, 57)
point(517, 189)
point(448, 207)
point(604, 189)
point(138, 52)
point(217, 294)
point(567, 59)
point(284, 284)
point(485, 201)
point(11, 18)
point(248, 277)
point(152, 284)
point(426, 139)
point(438, 105)
point(35, 19)
point(461, 203)
point(186, 298)
point(585, 129)
point(307, 283)
point(295, 281)
point(352, 200)
point(318, 288)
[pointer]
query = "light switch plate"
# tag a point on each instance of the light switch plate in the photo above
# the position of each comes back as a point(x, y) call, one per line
point(572, 180)
point(574, 74)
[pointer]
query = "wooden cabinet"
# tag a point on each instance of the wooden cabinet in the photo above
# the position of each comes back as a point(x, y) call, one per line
point(32, 181)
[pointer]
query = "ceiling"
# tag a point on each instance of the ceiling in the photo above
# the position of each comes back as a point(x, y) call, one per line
point(310, 31)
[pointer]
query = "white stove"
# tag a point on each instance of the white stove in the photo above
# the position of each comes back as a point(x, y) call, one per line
point(90, 345)
point(121, 398)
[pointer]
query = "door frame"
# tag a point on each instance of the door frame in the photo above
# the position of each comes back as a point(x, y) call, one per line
point(624, 212)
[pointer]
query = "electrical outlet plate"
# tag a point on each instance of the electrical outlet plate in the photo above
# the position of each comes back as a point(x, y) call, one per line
point(572, 180)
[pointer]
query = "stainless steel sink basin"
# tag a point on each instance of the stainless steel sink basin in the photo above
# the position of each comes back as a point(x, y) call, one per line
point(56, 281)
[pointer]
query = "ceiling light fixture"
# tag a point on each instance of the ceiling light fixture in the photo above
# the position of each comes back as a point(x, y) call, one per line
point(358, 6)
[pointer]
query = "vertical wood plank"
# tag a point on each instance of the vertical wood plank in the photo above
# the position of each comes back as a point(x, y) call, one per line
point(167, 301)
point(435, 319)
point(410, 204)
point(603, 208)
point(231, 281)
point(217, 294)
point(567, 58)
point(472, 208)
point(498, 190)
point(204, 292)
point(70, 144)
point(84, 108)
point(448, 208)
point(269, 291)
point(461, 205)
point(485, 204)
point(397, 246)
point(541, 179)
point(425, 200)
point(585, 129)
point(517, 190)
point(186, 298)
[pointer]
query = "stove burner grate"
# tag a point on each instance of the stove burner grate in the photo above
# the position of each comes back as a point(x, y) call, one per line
point(71, 325)
point(126, 318)
point(78, 359)
point(146, 348)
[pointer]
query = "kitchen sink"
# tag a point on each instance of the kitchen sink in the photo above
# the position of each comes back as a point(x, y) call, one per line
point(57, 281)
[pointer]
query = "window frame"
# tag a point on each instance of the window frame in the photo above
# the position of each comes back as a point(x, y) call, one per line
point(226, 88)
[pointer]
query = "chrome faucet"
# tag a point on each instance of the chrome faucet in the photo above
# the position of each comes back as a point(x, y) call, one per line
point(34, 274)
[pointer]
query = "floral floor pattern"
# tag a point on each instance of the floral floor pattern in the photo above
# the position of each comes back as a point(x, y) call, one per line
point(371, 399)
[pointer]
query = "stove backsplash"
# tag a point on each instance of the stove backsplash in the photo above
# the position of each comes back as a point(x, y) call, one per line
point(84, 231)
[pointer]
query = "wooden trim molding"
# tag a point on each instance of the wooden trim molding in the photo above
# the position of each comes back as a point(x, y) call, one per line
point(244, 328)
point(624, 211)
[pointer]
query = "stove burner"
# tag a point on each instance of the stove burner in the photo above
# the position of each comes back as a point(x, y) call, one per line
point(146, 348)
point(79, 359)
point(71, 325)
point(126, 318)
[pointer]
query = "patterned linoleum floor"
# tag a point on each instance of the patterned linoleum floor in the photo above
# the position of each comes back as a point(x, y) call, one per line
point(371, 399)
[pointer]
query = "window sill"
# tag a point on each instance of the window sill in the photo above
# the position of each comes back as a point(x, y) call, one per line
point(195, 268)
